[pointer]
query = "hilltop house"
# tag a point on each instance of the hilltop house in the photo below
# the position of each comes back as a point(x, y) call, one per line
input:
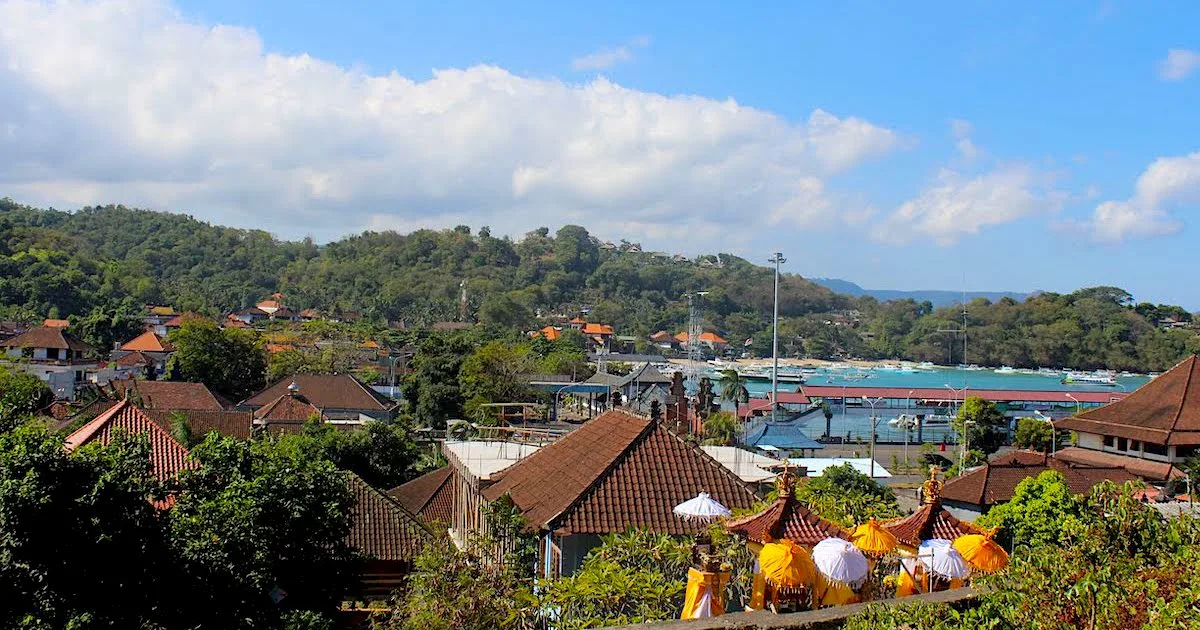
point(145, 354)
point(1150, 433)
point(710, 341)
point(53, 355)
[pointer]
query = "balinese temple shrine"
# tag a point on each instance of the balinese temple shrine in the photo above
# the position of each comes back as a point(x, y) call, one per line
point(785, 519)
point(930, 521)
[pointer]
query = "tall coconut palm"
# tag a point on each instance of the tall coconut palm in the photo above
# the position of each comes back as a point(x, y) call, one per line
point(733, 389)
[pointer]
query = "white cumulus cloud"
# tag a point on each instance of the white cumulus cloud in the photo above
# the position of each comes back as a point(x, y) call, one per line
point(955, 205)
point(608, 57)
point(1169, 182)
point(1179, 64)
point(128, 101)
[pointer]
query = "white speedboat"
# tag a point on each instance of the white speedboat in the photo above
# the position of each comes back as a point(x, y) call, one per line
point(1005, 369)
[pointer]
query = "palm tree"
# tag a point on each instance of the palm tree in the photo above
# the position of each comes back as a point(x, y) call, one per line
point(721, 429)
point(733, 389)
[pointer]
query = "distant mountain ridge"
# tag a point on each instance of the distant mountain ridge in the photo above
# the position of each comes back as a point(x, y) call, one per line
point(938, 298)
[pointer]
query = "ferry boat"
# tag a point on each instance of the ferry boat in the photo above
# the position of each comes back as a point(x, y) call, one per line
point(1090, 378)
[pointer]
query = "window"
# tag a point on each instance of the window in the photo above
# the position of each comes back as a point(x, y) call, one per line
point(1122, 444)
point(52, 353)
point(1184, 452)
point(1135, 445)
point(1110, 441)
point(1155, 449)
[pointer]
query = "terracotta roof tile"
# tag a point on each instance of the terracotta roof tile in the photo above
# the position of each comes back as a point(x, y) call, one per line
point(381, 527)
point(1164, 411)
point(930, 521)
point(326, 391)
point(46, 337)
point(168, 395)
point(430, 496)
point(134, 359)
point(56, 323)
point(996, 482)
point(235, 424)
point(293, 408)
point(615, 472)
point(147, 342)
point(787, 519)
point(167, 457)
point(597, 329)
point(1144, 468)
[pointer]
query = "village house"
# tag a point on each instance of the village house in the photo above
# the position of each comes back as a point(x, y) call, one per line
point(430, 496)
point(712, 342)
point(156, 315)
point(144, 355)
point(167, 456)
point(388, 535)
point(979, 490)
point(249, 316)
point(338, 398)
point(1150, 433)
point(53, 355)
point(616, 472)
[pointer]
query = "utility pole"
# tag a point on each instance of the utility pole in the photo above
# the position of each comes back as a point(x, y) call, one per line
point(874, 424)
point(778, 259)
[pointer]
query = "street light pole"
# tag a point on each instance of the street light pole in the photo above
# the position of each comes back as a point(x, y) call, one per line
point(778, 259)
point(908, 414)
point(1078, 405)
point(874, 423)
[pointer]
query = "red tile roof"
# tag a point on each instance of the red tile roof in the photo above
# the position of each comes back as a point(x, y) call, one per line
point(235, 424)
point(168, 395)
point(134, 359)
point(997, 481)
point(1164, 411)
point(1144, 468)
point(46, 337)
point(704, 336)
point(550, 333)
point(930, 521)
point(178, 320)
point(56, 323)
point(326, 391)
point(616, 472)
point(935, 393)
point(430, 496)
point(785, 519)
point(597, 329)
point(381, 527)
point(167, 457)
point(147, 342)
point(290, 408)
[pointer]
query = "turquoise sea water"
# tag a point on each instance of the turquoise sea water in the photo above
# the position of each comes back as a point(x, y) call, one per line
point(854, 423)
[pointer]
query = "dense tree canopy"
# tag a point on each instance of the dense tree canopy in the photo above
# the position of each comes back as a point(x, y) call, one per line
point(97, 265)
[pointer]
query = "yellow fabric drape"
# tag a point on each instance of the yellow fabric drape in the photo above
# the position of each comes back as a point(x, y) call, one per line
point(758, 594)
point(905, 585)
point(835, 593)
point(705, 595)
point(786, 565)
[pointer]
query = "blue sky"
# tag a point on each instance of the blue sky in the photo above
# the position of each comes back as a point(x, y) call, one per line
point(1013, 146)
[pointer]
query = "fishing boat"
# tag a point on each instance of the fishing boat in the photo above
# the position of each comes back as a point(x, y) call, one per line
point(1090, 378)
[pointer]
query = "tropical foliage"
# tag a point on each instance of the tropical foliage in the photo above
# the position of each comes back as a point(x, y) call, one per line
point(847, 497)
point(99, 265)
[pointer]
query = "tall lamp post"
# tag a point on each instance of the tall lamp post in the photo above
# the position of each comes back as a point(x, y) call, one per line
point(1078, 405)
point(874, 423)
point(1053, 440)
point(909, 414)
point(778, 259)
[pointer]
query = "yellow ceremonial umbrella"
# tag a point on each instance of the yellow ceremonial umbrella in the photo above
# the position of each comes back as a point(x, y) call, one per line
point(981, 552)
point(872, 539)
point(786, 565)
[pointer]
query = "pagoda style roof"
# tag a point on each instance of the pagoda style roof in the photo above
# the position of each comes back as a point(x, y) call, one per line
point(785, 519)
point(1164, 411)
point(616, 472)
point(931, 520)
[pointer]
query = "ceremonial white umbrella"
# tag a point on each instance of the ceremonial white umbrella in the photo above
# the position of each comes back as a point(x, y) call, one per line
point(703, 509)
point(840, 561)
point(941, 559)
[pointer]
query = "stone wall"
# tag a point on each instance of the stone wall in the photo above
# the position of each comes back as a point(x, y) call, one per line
point(823, 619)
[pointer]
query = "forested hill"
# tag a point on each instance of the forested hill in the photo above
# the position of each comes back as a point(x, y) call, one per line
point(114, 259)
